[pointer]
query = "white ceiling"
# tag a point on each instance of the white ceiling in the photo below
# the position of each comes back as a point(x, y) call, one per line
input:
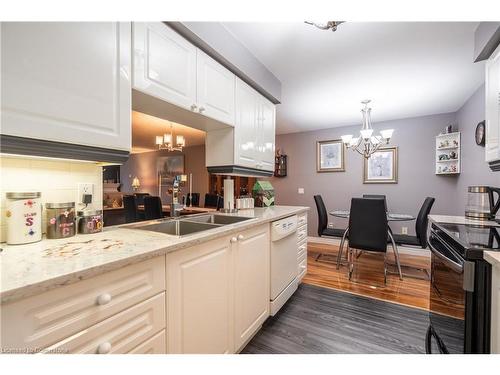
point(408, 69)
point(145, 128)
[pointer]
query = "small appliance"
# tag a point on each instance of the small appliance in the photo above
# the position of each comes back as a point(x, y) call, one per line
point(481, 202)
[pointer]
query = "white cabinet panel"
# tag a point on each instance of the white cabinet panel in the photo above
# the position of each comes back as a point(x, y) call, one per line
point(493, 107)
point(200, 299)
point(246, 126)
point(155, 345)
point(267, 134)
point(67, 82)
point(215, 89)
point(164, 64)
point(252, 274)
point(495, 310)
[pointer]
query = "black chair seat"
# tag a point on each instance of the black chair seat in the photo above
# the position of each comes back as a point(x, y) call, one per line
point(332, 232)
point(405, 239)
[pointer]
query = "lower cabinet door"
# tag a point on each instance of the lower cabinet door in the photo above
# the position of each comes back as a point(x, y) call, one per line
point(155, 345)
point(200, 299)
point(252, 273)
point(120, 333)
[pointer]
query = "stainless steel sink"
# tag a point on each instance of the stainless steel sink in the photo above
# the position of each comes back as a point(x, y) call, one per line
point(177, 227)
point(217, 219)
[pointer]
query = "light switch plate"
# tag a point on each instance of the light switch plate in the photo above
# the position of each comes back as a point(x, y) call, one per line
point(84, 188)
point(404, 230)
point(301, 191)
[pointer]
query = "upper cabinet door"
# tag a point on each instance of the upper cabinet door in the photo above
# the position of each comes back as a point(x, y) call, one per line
point(67, 82)
point(164, 64)
point(215, 89)
point(493, 107)
point(246, 126)
point(267, 134)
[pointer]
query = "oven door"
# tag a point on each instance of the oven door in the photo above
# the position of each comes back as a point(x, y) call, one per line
point(447, 298)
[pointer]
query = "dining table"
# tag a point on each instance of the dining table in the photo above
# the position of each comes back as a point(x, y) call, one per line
point(391, 216)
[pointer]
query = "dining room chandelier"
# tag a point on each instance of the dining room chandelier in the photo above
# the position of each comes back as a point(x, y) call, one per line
point(367, 143)
point(165, 141)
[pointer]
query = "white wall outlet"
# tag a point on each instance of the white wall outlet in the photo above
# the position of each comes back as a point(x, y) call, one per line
point(301, 191)
point(84, 188)
point(404, 230)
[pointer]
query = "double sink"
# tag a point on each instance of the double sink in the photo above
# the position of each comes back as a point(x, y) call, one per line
point(189, 224)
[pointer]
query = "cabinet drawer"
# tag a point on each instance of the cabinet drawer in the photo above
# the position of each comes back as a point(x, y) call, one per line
point(120, 333)
point(47, 318)
point(302, 269)
point(301, 257)
point(155, 345)
point(302, 233)
point(302, 219)
point(302, 250)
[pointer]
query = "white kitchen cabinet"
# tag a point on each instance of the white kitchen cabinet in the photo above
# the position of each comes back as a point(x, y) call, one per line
point(495, 309)
point(252, 265)
point(67, 82)
point(215, 89)
point(267, 134)
point(200, 299)
point(164, 64)
point(492, 148)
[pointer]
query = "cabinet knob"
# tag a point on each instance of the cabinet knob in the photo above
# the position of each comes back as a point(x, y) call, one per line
point(103, 299)
point(201, 109)
point(240, 237)
point(104, 348)
point(193, 107)
point(234, 239)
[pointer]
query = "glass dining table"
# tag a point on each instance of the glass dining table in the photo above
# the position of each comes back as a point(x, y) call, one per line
point(344, 214)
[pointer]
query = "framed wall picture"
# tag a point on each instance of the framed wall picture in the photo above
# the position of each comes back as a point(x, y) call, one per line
point(330, 156)
point(381, 167)
point(168, 167)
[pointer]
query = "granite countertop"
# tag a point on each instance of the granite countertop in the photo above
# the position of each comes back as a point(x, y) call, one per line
point(492, 257)
point(447, 219)
point(34, 268)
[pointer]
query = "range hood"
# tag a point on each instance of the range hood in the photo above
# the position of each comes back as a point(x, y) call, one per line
point(236, 170)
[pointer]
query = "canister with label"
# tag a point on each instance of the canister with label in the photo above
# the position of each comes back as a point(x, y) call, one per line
point(61, 220)
point(23, 217)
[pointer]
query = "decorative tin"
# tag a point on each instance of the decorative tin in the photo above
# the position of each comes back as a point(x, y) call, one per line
point(61, 220)
point(23, 217)
point(89, 221)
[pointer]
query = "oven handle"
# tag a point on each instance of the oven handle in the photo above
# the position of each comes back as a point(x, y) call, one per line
point(457, 267)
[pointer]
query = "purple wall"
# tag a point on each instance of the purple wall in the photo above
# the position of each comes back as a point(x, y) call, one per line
point(415, 138)
point(144, 166)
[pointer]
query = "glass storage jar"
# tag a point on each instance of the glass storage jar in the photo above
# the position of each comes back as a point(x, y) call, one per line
point(61, 220)
point(89, 221)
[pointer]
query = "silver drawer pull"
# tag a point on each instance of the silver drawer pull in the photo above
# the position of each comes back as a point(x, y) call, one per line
point(104, 299)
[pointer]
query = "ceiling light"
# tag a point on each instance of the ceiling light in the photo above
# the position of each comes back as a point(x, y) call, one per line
point(165, 141)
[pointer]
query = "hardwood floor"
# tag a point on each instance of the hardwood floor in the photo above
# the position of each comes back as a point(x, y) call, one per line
point(321, 320)
point(368, 276)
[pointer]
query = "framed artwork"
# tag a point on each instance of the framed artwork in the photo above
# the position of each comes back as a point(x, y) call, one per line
point(381, 167)
point(168, 167)
point(330, 156)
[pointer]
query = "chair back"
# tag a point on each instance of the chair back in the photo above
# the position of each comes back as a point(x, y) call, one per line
point(139, 198)
point(322, 214)
point(152, 208)
point(377, 196)
point(193, 197)
point(211, 200)
point(130, 206)
point(368, 224)
point(220, 202)
point(422, 221)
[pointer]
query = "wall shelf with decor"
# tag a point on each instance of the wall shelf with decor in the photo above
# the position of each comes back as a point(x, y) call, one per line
point(448, 154)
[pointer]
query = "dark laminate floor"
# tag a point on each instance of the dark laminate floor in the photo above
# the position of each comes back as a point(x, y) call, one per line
point(321, 320)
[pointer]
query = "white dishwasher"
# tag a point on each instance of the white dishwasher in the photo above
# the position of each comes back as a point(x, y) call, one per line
point(283, 261)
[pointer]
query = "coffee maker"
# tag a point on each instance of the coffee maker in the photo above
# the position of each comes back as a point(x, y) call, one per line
point(482, 203)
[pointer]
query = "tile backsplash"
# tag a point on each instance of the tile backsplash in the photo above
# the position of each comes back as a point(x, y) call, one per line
point(57, 180)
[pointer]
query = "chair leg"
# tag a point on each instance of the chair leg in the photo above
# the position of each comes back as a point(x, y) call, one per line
point(396, 255)
point(318, 256)
point(385, 268)
point(350, 262)
point(341, 249)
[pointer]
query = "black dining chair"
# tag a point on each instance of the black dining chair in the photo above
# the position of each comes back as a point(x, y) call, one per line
point(323, 230)
point(152, 208)
point(368, 231)
point(211, 200)
point(420, 239)
point(220, 202)
point(377, 196)
point(194, 198)
point(130, 206)
point(139, 198)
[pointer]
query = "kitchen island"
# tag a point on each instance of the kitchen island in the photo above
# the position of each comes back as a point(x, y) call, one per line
point(130, 290)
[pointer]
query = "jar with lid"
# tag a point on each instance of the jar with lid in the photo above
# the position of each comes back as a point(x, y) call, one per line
point(23, 217)
point(89, 221)
point(61, 220)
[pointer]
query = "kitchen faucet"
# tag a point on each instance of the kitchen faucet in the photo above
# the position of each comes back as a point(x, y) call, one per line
point(175, 206)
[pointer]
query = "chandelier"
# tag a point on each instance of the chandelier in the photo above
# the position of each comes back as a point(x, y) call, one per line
point(326, 26)
point(367, 143)
point(165, 141)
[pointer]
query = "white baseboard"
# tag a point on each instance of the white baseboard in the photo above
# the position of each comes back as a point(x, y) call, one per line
point(402, 249)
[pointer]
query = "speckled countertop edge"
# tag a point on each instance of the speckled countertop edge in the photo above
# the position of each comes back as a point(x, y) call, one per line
point(492, 257)
point(23, 281)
